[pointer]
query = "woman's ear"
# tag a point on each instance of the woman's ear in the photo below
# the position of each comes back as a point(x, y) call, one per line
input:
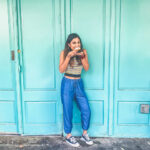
point(68, 44)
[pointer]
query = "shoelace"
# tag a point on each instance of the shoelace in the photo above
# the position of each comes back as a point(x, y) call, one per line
point(87, 137)
point(72, 139)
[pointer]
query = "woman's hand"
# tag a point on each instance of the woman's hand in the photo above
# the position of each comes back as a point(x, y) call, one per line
point(81, 55)
point(84, 60)
point(71, 54)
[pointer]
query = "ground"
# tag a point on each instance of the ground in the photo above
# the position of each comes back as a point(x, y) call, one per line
point(15, 142)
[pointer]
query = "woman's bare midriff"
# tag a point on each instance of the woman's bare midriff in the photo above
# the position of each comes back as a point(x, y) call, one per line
point(72, 77)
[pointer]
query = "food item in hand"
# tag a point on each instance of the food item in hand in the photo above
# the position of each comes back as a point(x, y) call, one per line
point(79, 51)
point(77, 48)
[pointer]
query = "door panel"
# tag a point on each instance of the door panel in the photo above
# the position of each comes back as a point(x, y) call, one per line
point(88, 20)
point(6, 72)
point(8, 100)
point(134, 45)
point(40, 85)
point(38, 44)
point(132, 75)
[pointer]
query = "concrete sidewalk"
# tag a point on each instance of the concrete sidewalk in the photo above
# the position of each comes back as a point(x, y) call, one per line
point(58, 143)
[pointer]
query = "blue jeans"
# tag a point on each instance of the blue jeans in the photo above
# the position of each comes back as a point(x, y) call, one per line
point(73, 89)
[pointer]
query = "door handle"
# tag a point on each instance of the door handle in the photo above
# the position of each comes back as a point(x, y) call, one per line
point(12, 55)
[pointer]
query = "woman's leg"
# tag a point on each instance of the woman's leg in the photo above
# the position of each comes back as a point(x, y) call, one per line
point(84, 131)
point(67, 94)
point(83, 105)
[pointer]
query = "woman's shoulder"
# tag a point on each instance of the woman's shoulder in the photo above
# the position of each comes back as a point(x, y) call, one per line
point(62, 52)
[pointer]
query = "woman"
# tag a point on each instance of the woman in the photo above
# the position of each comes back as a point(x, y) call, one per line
point(72, 59)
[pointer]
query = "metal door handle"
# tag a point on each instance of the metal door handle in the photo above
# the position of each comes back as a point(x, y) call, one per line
point(13, 55)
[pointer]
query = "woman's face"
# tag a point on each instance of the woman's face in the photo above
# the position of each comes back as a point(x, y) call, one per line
point(74, 43)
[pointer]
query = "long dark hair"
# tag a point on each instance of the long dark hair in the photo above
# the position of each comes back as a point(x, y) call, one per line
point(68, 49)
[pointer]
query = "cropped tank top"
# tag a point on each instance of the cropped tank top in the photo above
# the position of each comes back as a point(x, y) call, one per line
point(74, 70)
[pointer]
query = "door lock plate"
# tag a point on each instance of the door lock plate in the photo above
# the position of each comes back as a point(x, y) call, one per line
point(144, 108)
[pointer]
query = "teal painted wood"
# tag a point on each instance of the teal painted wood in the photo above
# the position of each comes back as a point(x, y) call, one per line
point(132, 74)
point(39, 42)
point(105, 31)
point(9, 106)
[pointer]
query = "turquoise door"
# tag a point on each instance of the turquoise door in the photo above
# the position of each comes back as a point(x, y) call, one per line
point(131, 68)
point(39, 44)
point(10, 115)
point(116, 36)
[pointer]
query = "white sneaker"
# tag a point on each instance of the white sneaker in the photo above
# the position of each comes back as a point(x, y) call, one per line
point(86, 139)
point(72, 141)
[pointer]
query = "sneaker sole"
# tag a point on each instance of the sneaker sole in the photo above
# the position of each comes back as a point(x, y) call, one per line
point(73, 144)
point(82, 139)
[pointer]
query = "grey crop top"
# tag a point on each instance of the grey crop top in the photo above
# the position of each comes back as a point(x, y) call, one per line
point(74, 70)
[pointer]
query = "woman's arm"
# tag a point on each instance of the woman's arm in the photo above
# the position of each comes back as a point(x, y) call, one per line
point(63, 63)
point(84, 61)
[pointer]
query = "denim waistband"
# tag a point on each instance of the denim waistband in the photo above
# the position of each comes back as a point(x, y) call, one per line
point(65, 78)
point(72, 75)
